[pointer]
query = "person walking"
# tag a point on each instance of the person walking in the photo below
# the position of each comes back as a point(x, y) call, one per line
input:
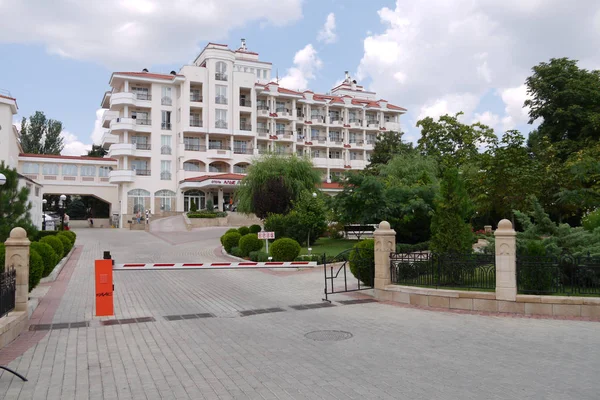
point(66, 220)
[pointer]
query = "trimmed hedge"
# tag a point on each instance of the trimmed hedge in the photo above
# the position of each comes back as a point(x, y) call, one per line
point(250, 242)
point(243, 230)
point(67, 244)
point(70, 234)
point(48, 256)
point(259, 256)
point(236, 252)
point(231, 240)
point(228, 231)
point(36, 268)
point(411, 248)
point(255, 228)
point(56, 244)
point(285, 249)
point(40, 234)
point(362, 261)
point(202, 215)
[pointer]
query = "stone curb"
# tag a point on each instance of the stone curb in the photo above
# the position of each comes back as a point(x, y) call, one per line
point(188, 223)
point(54, 274)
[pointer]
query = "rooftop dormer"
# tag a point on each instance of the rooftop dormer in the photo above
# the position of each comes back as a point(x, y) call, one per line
point(350, 87)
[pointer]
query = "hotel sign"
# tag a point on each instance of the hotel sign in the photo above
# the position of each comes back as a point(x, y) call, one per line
point(224, 182)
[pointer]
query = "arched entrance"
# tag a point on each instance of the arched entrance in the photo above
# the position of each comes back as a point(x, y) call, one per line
point(195, 196)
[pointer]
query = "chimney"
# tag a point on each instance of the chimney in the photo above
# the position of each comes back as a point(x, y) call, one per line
point(347, 76)
point(243, 45)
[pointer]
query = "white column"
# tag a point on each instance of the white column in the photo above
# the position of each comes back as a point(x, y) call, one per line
point(220, 195)
point(126, 86)
point(385, 243)
point(506, 262)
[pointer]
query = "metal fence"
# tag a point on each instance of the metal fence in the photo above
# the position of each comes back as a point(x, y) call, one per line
point(449, 271)
point(8, 286)
point(560, 275)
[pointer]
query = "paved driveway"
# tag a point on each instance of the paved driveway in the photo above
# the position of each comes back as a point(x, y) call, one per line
point(214, 344)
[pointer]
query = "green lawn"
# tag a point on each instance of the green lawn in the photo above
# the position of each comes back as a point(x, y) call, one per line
point(331, 247)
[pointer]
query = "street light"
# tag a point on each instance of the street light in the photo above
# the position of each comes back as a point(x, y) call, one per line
point(44, 201)
point(61, 208)
point(314, 195)
point(2, 179)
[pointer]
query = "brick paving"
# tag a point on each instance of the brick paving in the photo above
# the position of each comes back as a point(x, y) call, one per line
point(237, 353)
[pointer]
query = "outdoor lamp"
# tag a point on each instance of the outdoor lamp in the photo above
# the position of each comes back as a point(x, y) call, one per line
point(2, 179)
point(63, 197)
point(44, 201)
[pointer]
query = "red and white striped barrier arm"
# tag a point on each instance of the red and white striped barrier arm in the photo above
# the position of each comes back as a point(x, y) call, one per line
point(216, 265)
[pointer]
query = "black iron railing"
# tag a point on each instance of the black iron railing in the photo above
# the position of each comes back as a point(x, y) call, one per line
point(8, 287)
point(245, 103)
point(461, 271)
point(565, 275)
point(142, 172)
point(142, 146)
point(194, 147)
point(195, 97)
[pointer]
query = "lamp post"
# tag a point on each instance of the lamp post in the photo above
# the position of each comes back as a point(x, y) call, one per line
point(314, 195)
point(61, 209)
point(2, 179)
point(44, 201)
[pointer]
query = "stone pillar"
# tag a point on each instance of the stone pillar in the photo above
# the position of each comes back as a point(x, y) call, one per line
point(385, 243)
point(220, 197)
point(506, 261)
point(487, 228)
point(17, 256)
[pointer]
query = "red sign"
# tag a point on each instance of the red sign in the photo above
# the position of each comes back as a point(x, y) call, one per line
point(266, 235)
point(219, 182)
point(104, 288)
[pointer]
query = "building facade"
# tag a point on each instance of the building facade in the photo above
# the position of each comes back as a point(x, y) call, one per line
point(190, 136)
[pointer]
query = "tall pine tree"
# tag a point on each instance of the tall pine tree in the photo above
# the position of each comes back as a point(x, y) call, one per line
point(40, 135)
point(14, 208)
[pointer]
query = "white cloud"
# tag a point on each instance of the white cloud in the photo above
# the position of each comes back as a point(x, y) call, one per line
point(306, 63)
point(327, 33)
point(73, 146)
point(439, 56)
point(487, 118)
point(98, 129)
point(135, 33)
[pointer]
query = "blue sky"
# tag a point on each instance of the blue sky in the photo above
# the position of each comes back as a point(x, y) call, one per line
point(432, 57)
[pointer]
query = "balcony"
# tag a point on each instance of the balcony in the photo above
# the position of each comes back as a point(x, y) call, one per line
point(108, 117)
point(142, 146)
point(195, 123)
point(299, 114)
point(358, 164)
point(166, 101)
point(165, 176)
point(121, 149)
point(165, 126)
point(221, 124)
point(319, 139)
point(243, 150)
point(217, 146)
point(109, 139)
point(220, 100)
point(263, 132)
point(121, 176)
point(283, 152)
point(319, 161)
point(220, 76)
point(336, 120)
point(245, 127)
point(285, 133)
point(263, 150)
point(166, 150)
point(317, 119)
point(283, 112)
point(194, 147)
point(354, 122)
point(372, 123)
point(300, 139)
point(196, 97)
point(336, 162)
point(122, 124)
point(217, 151)
point(142, 172)
point(263, 110)
point(245, 103)
point(392, 126)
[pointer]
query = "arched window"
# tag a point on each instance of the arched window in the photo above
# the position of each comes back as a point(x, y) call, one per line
point(138, 200)
point(221, 71)
point(195, 166)
point(164, 200)
point(195, 197)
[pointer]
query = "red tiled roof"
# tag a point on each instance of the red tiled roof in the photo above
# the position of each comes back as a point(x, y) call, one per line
point(246, 51)
point(308, 91)
point(330, 185)
point(220, 176)
point(148, 75)
point(66, 157)
point(393, 107)
point(288, 91)
point(9, 98)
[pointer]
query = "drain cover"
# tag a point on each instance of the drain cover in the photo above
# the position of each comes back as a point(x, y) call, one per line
point(328, 336)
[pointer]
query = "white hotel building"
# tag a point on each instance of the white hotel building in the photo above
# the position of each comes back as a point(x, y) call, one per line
point(191, 135)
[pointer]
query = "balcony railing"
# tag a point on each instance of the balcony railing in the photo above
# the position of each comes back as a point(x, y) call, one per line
point(318, 138)
point(263, 150)
point(142, 172)
point(166, 101)
point(284, 132)
point(221, 124)
point(217, 146)
point(318, 118)
point(335, 139)
point(239, 170)
point(143, 96)
point(372, 122)
point(262, 131)
point(196, 123)
point(300, 139)
point(354, 120)
point(165, 126)
point(243, 150)
point(220, 76)
point(245, 103)
point(143, 121)
point(370, 141)
point(165, 176)
point(299, 114)
point(142, 146)
point(282, 110)
point(220, 99)
point(195, 97)
point(262, 107)
point(165, 150)
point(194, 147)
point(245, 127)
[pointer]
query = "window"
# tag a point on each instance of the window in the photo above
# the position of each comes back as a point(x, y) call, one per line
point(352, 137)
point(221, 119)
point(221, 74)
point(215, 168)
point(280, 106)
point(262, 104)
point(165, 144)
point(31, 168)
point(334, 115)
point(241, 147)
point(141, 117)
point(195, 95)
point(239, 169)
point(335, 154)
point(140, 167)
point(165, 99)
point(335, 136)
point(280, 129)
point(136, 200)
point(165, 170)
point(316, 154)
point(192, 143)
point(264, 74)
point(37, 191)
point(166, 199)
point(314, 134)
point(258, 73)
point(215, 144)
point(166, 120)
point(88, 170)
point(104, 171)
point(141, 93)
point(191, 166)
point(69, 170)
point(50, 169)
point(221, 94)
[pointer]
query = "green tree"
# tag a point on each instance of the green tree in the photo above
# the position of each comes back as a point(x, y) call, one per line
point(450, 231)
point(273, 183)
point(40, 135)
point(387, 145)
point(311, 213)
point(451, 142)
point(97, 151)
point(14, 207)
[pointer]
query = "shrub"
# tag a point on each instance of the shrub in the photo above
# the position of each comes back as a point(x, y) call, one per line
point(243, 230)
point(236, 252)
point(56, 244)
point(285, 249)
point(592, 220)
point(202, 214)
point(67, 244)
point(291, 226)
point(533, 278)
point(41, 234)
point(48, 256)
point(228, 231)
point(313, 257)
point(250, 242)
point(231, 240)
point(362, 261)
point(255, 228)
point(66, 234)
point(259, 256)
point(336, 230)
point(2, 253)
point(193, 206)
point(70, 234)
point(411, 248)
point(210, 206)
point(36, 268)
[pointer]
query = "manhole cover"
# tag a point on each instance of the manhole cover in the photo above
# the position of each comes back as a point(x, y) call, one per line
point(325, 336)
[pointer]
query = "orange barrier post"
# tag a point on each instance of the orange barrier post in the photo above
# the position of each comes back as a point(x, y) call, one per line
point(104, 288)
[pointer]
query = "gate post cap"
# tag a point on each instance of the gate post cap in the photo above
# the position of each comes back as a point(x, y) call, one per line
point(18, 233)
point(18, 237)
point(384, 225)
point(505, 225)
